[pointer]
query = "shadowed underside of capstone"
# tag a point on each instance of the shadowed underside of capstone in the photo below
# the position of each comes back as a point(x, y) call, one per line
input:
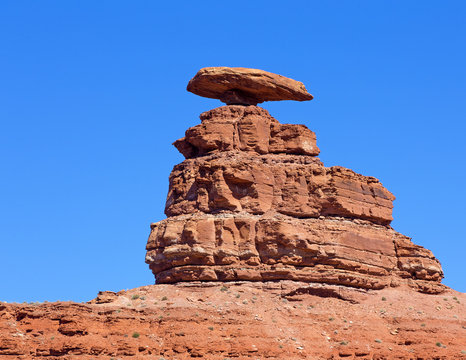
point(252, 202)
point(242, 86)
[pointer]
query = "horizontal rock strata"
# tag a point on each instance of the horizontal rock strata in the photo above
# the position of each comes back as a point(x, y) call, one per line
point(284, 320)
point(252, 202)
point(265, 254)
point(245, 128)
point(230, 247)
point(299, 186)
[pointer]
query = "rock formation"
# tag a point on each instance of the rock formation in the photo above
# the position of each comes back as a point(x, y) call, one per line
point(239, 320)
point(265, 254)
point(253, 202)
point(246, 86)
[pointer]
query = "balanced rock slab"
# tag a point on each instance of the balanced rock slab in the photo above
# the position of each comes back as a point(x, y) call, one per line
point(242, 86)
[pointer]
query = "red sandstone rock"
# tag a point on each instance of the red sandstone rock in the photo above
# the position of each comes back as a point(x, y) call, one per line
point(245, 86)
point(231, 247)
point(245, 128)
point(299, 186)
point(265, 253)
point(252, 202)
point(240, 320)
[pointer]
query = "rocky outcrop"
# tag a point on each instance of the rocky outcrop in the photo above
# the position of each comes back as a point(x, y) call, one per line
point(252, 202)
point(245, 128)
point(239, 320)
point(298, 186)
point(241, 158)
point(245, 86)
point(266, 253)
point(232, 247)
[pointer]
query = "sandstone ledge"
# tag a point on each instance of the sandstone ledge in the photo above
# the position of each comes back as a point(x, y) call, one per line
point(294, 185)
point(245, 128)
point(228, 247)
point(240, 320)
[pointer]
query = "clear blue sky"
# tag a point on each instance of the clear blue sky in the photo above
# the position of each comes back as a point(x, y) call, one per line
point(92, 94)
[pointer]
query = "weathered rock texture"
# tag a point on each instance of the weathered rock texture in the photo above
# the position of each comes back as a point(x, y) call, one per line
point(231, 247)
point(252, 202)
point(298, 186)
point(265, 254)
point(245, 128)
point(239, 320)
point(246, 86)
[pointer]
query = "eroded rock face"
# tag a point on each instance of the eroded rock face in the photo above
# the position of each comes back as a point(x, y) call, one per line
point(245, 128)
point(232, 247)
point(299, 186)
point(245, 86)
point(284, 320)
point(252, 202)
point(265, 254)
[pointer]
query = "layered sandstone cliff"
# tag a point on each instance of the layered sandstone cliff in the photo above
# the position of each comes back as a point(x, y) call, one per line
point(253, 202)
